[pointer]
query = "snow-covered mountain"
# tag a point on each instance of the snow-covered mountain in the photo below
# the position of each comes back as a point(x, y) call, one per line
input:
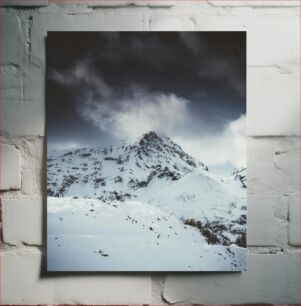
point(152, 177)
point(118, 173)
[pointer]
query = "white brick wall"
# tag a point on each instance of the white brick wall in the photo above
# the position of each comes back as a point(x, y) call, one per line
point(23, 219)
point(270, 279)
point(24, 284)
point(10, 172)
point(273, 32)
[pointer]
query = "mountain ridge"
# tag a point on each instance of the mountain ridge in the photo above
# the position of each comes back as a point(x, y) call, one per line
point(150, 156)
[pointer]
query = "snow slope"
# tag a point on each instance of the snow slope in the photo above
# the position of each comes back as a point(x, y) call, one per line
point(149, 205)
point(90, 235)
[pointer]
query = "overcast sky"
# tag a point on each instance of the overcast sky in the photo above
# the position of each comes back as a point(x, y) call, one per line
point(107, 87)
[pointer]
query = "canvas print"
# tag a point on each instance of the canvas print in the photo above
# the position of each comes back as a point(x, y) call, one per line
point(146, 151)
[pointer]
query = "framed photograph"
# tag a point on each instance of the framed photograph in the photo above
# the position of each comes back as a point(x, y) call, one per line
point(146, 151)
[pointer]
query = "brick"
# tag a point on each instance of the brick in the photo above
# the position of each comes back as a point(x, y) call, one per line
point(170, 23)
point(139, 3)
point(24, 104)
point(24, 3)
point(21, 119)
point(294, 220)
point(161, 3)
point(11, 77)
point(286, 159)
point(273, 33)
point(88, 22)
point(10, 167)
point(269, 279)
point(273, 165)
point(33, 173)
point(115, 3)
point(277, 89)
point(250, 3)
point(110, 4)
point(122, 22)
point(261, 220)
point(34, 101)
point(22, 221)
point(13, 48)
point(22, 283)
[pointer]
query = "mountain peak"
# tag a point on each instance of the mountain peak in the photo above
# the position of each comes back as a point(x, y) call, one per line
point(149, 137)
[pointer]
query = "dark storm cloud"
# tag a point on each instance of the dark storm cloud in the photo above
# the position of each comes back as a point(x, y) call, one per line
point(212, 61)
point(106, 86)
